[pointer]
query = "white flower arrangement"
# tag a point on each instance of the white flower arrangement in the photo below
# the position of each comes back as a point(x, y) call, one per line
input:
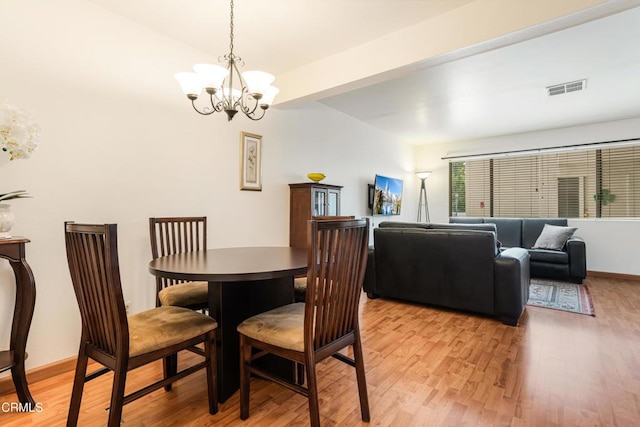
point(19, 134)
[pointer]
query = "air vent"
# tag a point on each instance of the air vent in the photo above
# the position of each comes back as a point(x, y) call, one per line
point(567, 87)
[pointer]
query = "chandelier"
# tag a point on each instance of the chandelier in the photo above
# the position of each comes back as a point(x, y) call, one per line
point(228, 89)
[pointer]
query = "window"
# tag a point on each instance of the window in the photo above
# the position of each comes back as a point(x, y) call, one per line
point(457, 188)
point(596, 183)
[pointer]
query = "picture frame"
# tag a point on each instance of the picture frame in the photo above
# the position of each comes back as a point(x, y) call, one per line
point(250, 161)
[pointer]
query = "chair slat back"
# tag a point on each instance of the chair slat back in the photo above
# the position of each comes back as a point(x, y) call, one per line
point(92, 254)
point(327, 218)
point(174, 235)
point(337, 261)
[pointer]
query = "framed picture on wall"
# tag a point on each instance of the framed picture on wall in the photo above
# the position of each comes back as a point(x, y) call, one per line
point(250, 161)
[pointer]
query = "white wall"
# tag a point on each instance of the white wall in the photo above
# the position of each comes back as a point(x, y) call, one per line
point(120, 143)
point(611, 244)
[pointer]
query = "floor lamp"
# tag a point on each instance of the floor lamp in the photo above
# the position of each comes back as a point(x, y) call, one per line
point(423, 196)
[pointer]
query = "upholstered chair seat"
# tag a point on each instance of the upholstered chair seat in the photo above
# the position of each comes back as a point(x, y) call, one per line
point(299, 288)
point(163, 327)
point(184, 294)
point(282, 327)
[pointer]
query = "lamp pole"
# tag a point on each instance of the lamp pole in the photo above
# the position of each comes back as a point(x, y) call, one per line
point(422, 201)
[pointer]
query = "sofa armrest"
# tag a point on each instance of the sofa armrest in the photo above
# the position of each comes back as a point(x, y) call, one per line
point(369, 284)
point(511, 284)
point(577, 251)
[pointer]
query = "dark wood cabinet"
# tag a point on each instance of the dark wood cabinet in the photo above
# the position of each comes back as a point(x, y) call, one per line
point(308, 200)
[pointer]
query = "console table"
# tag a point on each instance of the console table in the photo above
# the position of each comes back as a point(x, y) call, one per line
point(13, 250)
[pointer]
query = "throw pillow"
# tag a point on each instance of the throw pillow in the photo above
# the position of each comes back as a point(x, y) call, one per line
point(553, 237)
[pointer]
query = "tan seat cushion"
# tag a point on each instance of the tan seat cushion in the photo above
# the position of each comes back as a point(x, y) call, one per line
point(165, 326)
point(300, 289)
point(300, 284)
point(282, 326)
point(184, 294)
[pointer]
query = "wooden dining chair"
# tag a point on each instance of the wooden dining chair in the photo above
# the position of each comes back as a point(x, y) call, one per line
point(122, 343)
point(324, 324)
point(173, 235)
point(300, 283)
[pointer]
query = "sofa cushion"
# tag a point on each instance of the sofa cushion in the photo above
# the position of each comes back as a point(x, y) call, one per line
point(464, 226)
point(548, 256)
point(509, 231)
point(532, 227)
point(466, 220)
point(470, 227)
point(553, 237)
point(399, 224)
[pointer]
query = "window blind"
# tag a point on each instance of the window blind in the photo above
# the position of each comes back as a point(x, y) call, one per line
point(593, 183)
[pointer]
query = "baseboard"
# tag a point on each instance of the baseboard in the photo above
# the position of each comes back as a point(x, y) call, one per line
point(616, 276)
point(39, 374)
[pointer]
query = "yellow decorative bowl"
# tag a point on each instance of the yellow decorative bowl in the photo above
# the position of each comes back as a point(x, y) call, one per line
point(316, 177)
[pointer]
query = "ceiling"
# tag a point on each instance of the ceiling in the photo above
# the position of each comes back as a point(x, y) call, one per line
point(496, 92)
point(277, 35)
point(503, 91)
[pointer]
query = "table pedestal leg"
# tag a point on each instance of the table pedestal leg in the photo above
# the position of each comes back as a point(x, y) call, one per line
point(232, 302)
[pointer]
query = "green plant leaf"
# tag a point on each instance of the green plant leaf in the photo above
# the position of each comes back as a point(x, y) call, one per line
point(19, 194)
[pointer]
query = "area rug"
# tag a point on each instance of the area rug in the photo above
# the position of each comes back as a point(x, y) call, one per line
point(560, 296)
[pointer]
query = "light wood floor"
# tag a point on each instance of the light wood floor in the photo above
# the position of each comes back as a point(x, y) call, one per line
point(425, 367)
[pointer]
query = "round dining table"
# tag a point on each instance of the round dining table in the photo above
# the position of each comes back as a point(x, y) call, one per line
point(243, 282)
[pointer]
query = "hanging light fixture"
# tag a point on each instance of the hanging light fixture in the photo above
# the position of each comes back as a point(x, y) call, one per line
point(229, 90)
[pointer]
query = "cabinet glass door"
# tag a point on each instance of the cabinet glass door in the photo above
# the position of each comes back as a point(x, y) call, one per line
point(333, 207)
point(319, 202)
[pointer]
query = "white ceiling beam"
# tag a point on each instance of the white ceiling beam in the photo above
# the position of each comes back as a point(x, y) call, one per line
point(476, 27)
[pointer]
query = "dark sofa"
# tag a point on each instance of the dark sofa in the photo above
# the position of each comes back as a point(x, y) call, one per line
point(450, 265)
point(569, 264)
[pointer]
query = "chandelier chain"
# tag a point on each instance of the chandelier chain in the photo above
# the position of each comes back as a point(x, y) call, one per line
point(231, 28)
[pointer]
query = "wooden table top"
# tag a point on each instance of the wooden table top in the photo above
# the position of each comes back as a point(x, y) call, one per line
point(232, 264)
point(13, 239)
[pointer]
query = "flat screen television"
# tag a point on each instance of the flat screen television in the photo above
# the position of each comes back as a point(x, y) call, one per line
point(387, 196)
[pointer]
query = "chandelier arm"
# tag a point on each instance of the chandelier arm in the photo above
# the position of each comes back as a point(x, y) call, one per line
point(231, 104)
point(246, 109)
point(251, 115)
point(205, 112)
point(216, 107)
point(240, 102)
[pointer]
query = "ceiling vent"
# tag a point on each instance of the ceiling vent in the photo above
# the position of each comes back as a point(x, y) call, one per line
point(567, 87)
